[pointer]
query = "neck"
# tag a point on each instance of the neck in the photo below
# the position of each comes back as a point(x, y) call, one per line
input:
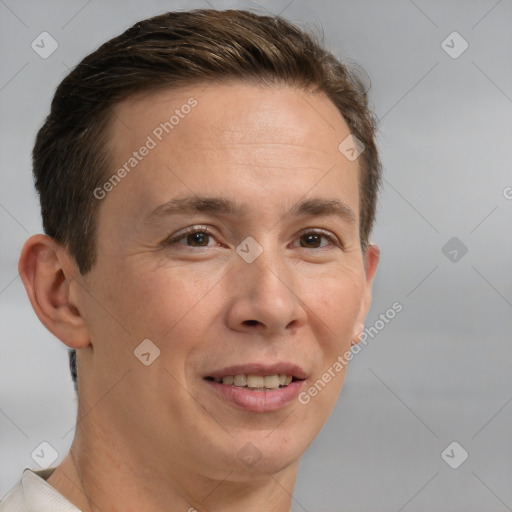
point(100, 473)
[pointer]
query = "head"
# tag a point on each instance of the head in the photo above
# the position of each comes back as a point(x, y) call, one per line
point(229, 124)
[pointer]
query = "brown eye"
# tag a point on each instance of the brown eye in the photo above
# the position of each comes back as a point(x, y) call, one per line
point(314, 240)
point(192, 237)
point(197, 239)
point(311, 240)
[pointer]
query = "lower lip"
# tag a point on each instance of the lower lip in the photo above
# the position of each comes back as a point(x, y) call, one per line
point(258, 401)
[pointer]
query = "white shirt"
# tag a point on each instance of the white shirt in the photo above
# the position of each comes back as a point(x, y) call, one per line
point(33, 494)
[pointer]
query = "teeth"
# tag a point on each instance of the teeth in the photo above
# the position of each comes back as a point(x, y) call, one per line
point(271, 381)
point(257, 381)
point(240, 380)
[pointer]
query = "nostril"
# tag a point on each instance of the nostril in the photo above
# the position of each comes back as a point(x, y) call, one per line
point(251, 322)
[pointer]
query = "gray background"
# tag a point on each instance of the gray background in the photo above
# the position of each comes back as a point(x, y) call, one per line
point(440, 371)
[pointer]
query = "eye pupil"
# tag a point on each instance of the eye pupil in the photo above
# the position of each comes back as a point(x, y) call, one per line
point(198, 238)
point(311, 238)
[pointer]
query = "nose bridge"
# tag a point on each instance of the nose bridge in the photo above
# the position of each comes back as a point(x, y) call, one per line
point(264, 265)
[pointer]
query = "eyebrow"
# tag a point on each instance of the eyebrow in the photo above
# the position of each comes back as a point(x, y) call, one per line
point(224, 206)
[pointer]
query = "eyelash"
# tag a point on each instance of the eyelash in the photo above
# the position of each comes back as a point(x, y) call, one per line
point(204, 229)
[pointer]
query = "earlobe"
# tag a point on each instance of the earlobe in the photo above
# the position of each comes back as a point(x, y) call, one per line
point(358, 332)
point(47, 285)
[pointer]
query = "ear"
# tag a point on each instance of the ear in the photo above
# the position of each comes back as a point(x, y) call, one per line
point(371, 260)
point(47, 273)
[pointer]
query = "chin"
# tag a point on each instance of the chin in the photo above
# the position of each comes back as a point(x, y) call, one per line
point(264, 452)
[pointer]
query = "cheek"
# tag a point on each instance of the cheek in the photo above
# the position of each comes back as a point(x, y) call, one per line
point(144, 299)
point(165, 304)
point(338, 302)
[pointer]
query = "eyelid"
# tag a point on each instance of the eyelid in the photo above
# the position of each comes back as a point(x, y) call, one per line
point(198, 228)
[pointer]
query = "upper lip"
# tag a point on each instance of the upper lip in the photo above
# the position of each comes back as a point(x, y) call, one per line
point(260, 369)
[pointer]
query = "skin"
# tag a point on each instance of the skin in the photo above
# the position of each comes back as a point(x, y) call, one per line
point(176, 441)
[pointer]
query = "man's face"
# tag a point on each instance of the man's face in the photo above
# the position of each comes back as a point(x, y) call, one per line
point(211, 302)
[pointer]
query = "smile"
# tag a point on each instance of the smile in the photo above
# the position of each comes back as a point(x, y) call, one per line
point(257, 388)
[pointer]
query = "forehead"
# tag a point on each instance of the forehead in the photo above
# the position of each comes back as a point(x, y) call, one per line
point(227, 139)
point(232, 112)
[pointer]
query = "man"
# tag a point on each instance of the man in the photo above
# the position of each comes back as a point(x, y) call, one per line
point(208, 182)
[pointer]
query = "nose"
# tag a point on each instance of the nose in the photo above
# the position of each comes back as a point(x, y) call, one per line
point(265, 297)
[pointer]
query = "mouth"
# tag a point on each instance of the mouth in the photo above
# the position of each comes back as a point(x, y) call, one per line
point(257, 388)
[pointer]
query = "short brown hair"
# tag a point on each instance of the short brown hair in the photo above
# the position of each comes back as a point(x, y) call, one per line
point(169, 51)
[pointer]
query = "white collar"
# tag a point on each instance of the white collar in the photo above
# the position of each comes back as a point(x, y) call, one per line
point(34, 494)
